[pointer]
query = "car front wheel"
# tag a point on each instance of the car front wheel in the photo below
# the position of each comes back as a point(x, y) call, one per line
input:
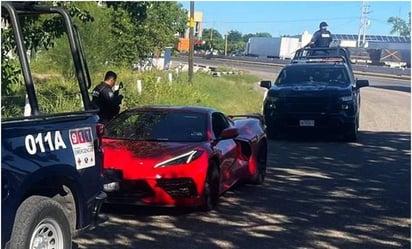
point(351, 133)
point(211, 188)
point(271, 131)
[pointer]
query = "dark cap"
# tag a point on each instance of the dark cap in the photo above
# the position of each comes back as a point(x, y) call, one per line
point(323, 24)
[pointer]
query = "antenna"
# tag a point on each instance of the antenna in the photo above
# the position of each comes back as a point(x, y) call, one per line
point(364, 23)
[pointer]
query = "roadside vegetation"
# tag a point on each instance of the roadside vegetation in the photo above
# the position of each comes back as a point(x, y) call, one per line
point(232, 94)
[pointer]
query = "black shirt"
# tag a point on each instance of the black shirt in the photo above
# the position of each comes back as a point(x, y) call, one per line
point(322, 38)
point(107, 101)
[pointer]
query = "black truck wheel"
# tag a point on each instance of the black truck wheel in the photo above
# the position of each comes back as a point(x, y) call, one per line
point(351, 133)
point(40, 223)
point(271, 132)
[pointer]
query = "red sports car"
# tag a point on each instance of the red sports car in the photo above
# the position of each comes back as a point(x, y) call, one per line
point(181, 156)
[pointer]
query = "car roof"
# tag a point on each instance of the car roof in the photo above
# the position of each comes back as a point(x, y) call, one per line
point(172, 108)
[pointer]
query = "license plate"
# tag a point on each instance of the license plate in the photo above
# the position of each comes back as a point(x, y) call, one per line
point(307, 123)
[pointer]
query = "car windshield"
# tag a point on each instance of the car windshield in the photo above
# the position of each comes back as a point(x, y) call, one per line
point(313, 75)
point(158, 126)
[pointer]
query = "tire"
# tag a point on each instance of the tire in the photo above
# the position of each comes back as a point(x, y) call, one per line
point(40, 223)
point(271, 132)
point(261, 159)
point(351, 133)
point(211, 188)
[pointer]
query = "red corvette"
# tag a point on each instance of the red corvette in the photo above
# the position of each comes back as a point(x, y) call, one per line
point(181, 156)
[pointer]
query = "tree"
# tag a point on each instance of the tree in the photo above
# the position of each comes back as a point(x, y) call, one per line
point(211, 34)
point(145, 28)
point(236, 43)
point(213, 39)
point(97, 37)
point(40, 32)
point(400, 26)
point(118, 32)
point(236, 47)
point(165, 20)
point(234, 36)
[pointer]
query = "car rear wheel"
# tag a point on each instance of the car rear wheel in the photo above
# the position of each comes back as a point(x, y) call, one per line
point(40, 223)
point(261, 160)
point(211, 188)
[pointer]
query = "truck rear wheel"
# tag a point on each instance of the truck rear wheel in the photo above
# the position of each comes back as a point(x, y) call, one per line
point(40, 223)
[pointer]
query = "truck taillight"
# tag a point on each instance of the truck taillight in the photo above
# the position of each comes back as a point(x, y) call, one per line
point(100, 132)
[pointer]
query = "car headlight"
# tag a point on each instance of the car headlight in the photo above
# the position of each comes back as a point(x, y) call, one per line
point(181, 159)
point(271, 102)
point(271, 98)
point(346, 98)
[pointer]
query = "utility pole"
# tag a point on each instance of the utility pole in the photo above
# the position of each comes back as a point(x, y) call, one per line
point(226, 44)
point(191, 39)
point(211, 39)
point(364, 23)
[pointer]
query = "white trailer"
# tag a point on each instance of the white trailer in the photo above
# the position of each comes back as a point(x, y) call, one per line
point(277, 47)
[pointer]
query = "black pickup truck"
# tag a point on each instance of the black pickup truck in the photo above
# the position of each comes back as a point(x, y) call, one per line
point(51, 163)
point(316, 91)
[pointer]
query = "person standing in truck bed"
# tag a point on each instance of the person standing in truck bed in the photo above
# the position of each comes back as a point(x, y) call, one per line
point(321, 38)
point(105, 99)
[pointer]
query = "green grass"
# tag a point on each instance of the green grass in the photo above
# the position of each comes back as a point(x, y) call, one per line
point(231, 94)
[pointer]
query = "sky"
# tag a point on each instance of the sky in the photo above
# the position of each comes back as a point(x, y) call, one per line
point(294, 17)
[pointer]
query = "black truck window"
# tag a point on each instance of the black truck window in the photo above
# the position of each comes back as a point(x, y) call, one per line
point(313, 75)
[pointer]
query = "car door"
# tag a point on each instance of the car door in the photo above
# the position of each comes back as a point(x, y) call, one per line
point(226, 149)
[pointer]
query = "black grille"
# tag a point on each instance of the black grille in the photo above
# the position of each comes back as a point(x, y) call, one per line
point(130, 192)
point(139, 187)
point(178, 187)
point(307, 105)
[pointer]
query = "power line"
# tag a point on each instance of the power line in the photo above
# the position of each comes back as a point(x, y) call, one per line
point(282, 21)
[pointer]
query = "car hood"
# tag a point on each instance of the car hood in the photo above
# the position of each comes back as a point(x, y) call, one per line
point(308, 90)
point(147, 152)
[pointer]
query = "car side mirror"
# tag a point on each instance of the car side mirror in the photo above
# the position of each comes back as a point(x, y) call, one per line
point(229, 133)
point(362, 83)
point(266, 84)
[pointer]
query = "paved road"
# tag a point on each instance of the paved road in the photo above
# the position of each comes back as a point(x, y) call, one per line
point(318, 194)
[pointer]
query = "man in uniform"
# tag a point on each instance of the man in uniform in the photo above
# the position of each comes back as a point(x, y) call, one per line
point(321, 38)
point(105, 99)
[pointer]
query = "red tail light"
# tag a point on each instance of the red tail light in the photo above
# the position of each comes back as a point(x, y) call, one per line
point(100, 132)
